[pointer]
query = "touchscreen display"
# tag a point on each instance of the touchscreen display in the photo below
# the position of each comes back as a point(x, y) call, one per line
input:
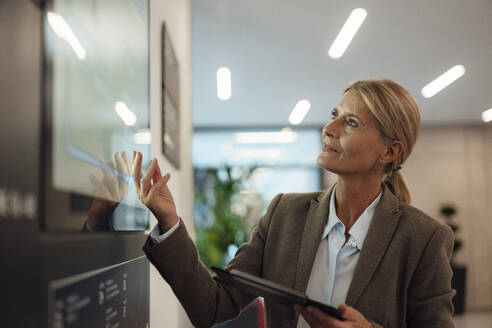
point(96, 88)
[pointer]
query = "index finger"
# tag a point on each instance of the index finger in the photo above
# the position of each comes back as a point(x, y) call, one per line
point(157, 173)
point(149, 173)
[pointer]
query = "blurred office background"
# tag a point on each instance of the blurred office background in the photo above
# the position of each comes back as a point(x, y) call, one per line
point(277, 54)
point(257, 81)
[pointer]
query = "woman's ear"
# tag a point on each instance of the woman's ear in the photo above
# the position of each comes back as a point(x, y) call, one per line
point(394, 149)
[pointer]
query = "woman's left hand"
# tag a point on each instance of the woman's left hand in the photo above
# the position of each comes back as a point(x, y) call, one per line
point(318, 319)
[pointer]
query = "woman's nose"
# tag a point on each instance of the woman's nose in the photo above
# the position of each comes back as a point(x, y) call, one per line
point(330, 129)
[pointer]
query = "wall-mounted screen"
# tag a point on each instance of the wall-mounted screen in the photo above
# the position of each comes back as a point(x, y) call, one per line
point(96, 89)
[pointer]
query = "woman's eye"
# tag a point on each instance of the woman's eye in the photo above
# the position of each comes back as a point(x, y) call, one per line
point(351, 122)
point(333, 115)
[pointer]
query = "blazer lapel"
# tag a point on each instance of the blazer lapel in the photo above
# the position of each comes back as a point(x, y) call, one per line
point(317, 218)
point(384, 222)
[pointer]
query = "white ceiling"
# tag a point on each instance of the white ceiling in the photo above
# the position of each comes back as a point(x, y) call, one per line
point(277, 51)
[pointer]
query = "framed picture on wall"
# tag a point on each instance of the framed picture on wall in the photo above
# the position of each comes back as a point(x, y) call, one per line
point(170, 100)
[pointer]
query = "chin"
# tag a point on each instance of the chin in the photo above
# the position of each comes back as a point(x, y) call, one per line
point(325, 166)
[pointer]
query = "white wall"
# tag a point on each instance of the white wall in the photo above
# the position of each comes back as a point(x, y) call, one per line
point(454, 164)
point(165, 310)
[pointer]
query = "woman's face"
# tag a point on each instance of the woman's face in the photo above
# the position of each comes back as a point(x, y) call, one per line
point(352, 144)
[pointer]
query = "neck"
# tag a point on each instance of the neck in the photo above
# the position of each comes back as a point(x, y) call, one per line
point(353, 195)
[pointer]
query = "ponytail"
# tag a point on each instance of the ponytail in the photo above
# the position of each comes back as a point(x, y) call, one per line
point(398, 185)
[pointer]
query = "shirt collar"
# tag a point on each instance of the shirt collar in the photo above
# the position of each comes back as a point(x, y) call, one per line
point(359, 230)
point(332, 216)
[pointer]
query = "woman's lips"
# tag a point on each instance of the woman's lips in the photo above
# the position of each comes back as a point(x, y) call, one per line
point(328, 149)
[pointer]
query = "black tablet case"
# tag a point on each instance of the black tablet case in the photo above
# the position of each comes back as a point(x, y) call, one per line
point(270, 290)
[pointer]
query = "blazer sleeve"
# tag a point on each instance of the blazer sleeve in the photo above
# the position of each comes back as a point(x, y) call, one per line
point(429, 293)
point(205, 299)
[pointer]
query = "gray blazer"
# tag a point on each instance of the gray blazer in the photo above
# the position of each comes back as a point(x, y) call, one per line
point(402, 278)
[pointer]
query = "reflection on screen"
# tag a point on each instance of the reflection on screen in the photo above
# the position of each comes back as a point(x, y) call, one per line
point(98, 54)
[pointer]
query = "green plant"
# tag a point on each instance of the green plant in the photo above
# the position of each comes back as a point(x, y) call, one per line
point(217, 226)
point(448, 211)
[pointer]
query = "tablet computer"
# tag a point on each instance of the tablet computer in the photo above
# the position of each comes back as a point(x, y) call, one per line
point(270, 290)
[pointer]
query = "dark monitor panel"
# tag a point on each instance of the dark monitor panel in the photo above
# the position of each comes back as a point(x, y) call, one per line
point(48, 266)
point(96, 112)
point(114, 296)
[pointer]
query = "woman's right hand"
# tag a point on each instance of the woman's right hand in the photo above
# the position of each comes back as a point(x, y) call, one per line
point(152, 190)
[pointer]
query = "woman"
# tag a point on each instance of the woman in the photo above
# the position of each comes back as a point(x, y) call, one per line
point(358, 245)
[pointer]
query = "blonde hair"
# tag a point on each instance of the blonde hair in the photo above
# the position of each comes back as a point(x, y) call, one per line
point(397, 116)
